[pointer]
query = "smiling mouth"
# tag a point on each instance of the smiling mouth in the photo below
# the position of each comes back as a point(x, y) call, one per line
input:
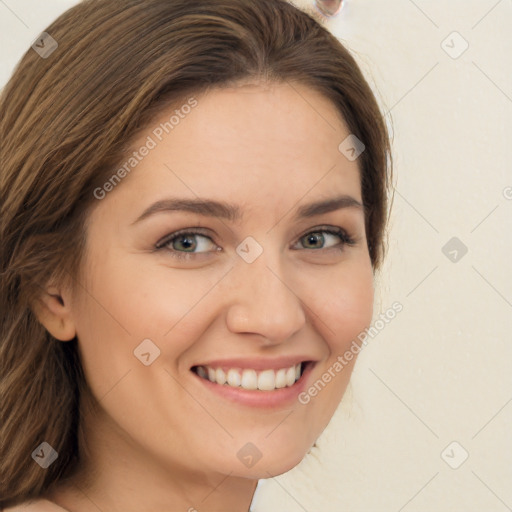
point(250, 379)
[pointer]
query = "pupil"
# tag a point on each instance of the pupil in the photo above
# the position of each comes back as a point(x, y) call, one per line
point(187, 240)
point(313, 237)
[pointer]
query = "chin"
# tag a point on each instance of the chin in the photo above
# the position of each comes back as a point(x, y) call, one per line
point(273, 461)
point(278, 467)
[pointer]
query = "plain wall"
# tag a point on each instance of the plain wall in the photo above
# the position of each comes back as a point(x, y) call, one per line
point(440, 371)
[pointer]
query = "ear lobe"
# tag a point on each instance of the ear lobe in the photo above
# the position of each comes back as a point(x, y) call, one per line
point(54, 313)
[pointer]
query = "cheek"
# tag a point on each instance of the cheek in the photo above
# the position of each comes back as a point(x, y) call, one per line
point(344, 304)
point(113, 317)
point(344, 309)
point(125, 305)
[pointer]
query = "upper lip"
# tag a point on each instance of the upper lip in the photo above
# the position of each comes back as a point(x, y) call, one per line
point(257, 363)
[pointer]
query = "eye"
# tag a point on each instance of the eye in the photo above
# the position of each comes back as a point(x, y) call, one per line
point(183, 243)
point(318, 237)
point(191, 242)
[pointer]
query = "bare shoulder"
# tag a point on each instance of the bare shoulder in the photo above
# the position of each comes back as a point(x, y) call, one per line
point(39, 505)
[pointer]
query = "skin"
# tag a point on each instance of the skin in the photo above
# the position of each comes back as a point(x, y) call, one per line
point(160, 440)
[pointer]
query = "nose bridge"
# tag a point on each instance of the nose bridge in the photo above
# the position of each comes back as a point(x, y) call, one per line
point(263, 301)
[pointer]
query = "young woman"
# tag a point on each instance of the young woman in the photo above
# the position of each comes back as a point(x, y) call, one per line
point(194, 198)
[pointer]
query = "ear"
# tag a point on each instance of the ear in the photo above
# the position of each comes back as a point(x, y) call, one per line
point(53, 310)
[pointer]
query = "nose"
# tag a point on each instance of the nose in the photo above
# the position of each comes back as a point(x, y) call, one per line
point(264, 302)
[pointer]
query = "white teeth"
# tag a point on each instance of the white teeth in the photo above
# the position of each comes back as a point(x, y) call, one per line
point(249, 379)
point(234, 378)
point(265, 380)
point(220, 376)
point(281, 378)
point(290, 376)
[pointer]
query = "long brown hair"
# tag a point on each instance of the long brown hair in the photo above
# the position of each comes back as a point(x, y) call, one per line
point(66, 119)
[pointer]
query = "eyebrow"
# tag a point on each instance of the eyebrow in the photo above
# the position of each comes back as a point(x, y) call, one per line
point(233, 213)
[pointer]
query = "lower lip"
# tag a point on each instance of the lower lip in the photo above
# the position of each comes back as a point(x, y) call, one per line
point(257, 398)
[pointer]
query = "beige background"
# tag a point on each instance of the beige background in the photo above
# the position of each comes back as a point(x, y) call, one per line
point(440, 372)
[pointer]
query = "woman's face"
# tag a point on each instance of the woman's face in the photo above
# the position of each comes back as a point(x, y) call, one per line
point(254, 293)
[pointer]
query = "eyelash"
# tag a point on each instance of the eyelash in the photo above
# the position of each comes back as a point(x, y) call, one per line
point(346, 239)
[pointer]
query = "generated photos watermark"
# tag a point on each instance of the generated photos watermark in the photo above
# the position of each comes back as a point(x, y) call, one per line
point(343, 360)
point(157, 135)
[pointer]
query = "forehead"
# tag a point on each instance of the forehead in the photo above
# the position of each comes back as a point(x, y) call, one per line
point(268, 144)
